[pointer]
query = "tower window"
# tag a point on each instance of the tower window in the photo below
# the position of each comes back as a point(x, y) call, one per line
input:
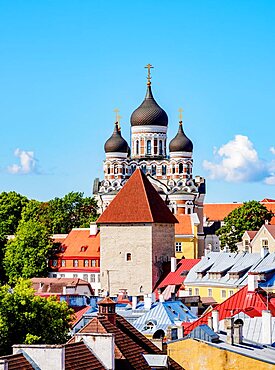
point(160, 148)
point(137, 147)
point(154, 170)
point(180, 168)
point(108, 170)
point(149, 147)
point(128, 257)
point(178, 247)
point(143, 168)
point(163, 170)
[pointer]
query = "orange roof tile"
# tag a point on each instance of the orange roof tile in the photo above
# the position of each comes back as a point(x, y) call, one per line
point(137, 202)
point(218, 211)
point(184, 227)
point(80, 243)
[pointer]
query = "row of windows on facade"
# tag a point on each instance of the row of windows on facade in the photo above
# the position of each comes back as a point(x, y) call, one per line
point(247, 245)
point(151, 169)
point(159, 148)
point(210, 292)
point(83, 276)
point(76, 263)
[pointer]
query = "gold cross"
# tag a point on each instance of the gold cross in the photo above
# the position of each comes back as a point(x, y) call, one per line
point(180, 115)
point(116, 110)
point(118, 121)
point(149, 67)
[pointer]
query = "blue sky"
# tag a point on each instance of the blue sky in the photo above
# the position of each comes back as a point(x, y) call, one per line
point(65, 66)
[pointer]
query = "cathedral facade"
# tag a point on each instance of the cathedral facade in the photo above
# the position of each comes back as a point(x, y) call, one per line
point(170, 171)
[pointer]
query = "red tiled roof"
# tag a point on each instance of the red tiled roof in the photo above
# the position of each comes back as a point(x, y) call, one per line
point(79, 312)
point(79, 357)
point(184, 227)
point(251, 234)
point(218, 211)
point(175, 278)
point(17, 361)
point(79, 238)
point(267, 200)
point(271, 229)
point(137, 202)
point(130, 344)
point(251, 303)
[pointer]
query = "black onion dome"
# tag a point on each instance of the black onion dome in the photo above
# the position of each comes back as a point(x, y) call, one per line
point(181, 143)
point(116, 143)
point(149, 112)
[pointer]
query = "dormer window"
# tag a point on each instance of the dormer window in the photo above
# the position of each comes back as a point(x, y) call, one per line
point(83, 248)
point(150, 325)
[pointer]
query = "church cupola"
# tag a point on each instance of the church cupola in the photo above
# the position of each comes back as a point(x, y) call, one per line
point(181, 145)
point(116, 146)
point(149, 126)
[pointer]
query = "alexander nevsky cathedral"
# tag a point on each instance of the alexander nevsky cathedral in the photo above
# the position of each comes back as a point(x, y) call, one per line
point(169, 172)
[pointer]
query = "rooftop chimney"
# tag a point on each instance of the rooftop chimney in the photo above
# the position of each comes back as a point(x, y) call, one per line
point(173, 264)
point(252, 282)
point(229, 327)
point(266, 327)
point(93, 228)
point(147, 302)
point(134, 302)
point(215, 316)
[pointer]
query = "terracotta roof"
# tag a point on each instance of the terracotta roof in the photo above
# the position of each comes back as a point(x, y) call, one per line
point(79, 357)
point(137, 202)
point(106, 300)
point(267, 200)
point(271, 229)
point(251, 303)
point(55, 285)
point(218, 211)
point(184, 227)
point(251, 234)
point(176, 278)
point(130, 344)
point(79, 312)
point(17, 361)
point(79, 238)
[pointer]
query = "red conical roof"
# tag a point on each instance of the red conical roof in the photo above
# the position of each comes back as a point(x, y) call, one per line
point(137, 202)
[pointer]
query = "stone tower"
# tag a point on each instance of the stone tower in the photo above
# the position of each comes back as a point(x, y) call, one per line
point(136, 236)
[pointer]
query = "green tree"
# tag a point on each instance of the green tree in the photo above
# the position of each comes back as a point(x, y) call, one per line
point(26, 318)
point(250, 216)
point(26, 255)
point(11, 206)
point(60, 215)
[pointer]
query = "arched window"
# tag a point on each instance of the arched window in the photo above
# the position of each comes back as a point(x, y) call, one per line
point(133, 167)
point(137, 147)
point(128, 257)
point(154, 170)
point(143, 168)
point(108, 170)
point(149, 146)
point(163, 170)
point(159, 334)
point(180, 168)
point(160, 148)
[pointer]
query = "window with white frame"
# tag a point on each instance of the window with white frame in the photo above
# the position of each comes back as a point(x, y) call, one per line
point(246, 245)
point(75, 263)
point(265, 243)
point(75, 276)
point(178, 246)
point(92, 278)
point(210, 292)
point(93, 263)
point(63, 263)
point(86, 263)
point(231, 292)
point(190, 292)
point(85, 277)
point(223, 293)
point(197, 291)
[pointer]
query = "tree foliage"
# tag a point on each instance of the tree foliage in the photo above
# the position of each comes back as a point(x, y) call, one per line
point(26, 318)
point(60, 215)
point(11, 206)
point(250, 216)
point(26, 255)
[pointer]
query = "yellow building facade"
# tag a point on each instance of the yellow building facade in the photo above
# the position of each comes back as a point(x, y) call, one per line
point(219, 294)
point(186, 236)
point(196, 355)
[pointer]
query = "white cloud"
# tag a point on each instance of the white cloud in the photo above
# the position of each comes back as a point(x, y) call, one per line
point(27, 162)
point(238, 161)
point(272, 149)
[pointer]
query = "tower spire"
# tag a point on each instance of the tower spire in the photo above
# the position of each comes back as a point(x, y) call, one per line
point(149, 67)
point(180, 115)
point(118, 117)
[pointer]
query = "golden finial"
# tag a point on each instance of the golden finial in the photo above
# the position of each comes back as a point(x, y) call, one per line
point(118, 121)
point(149, 67)
point(116, 110)
point(180, 115)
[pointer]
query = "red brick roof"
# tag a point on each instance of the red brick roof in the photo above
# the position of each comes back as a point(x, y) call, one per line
point(271, 229)
point(137, 202)
point(218, 211)
point(175, 278)
point(17, 361)
point(79, 238)
point(184, 227)
point(130, 344)
point(251, 303)
point(78, 356)
point(251, 234)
